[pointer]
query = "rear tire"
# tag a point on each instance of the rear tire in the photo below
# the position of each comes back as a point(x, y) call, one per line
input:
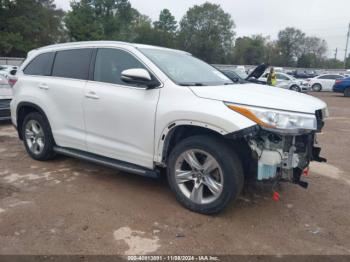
point(205, 174)
point(347, 92)
point(316, 87)
point(37, 137)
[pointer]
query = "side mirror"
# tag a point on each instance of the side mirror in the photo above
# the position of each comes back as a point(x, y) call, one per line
point(235, 79)
point(138, 76)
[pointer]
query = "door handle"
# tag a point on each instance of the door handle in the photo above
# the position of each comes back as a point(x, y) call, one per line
point(44, 86)
point(92, 95)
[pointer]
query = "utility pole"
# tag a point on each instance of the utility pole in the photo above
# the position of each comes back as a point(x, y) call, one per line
point(346, 47)
point(335, 53)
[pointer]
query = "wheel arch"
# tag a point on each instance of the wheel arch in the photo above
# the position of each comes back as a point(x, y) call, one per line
point(347, 91)
point(23, 109)
point(316, 83)
point(177, 131)
point(295, 85)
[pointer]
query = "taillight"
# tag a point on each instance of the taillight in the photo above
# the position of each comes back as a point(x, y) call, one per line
point(12, 80)
point(338, 81)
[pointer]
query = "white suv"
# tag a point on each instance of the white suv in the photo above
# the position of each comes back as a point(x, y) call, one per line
point(142, 108)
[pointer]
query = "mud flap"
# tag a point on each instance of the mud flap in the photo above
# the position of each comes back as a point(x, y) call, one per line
point(316, 155)
point(297, 172)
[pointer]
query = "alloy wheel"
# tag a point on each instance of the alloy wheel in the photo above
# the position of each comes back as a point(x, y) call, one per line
point(316, 87)
point(199, 176)
point(34, 136)
point(295, 88)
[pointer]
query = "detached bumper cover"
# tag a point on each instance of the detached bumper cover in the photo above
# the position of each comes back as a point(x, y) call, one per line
point(5, 112)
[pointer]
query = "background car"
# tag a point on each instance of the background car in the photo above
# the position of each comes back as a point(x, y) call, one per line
point(288, 82)
point(6, 69)
point(5, 97)
point(303, 74)
point(342, 86)
point(324, 82)
point(278, 69)
point(240, 77)
point(237, 76)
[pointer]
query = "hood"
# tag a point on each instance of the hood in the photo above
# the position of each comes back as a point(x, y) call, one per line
point(261, 96)
point(258, 71)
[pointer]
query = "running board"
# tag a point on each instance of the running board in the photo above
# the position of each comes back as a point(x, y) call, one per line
point(108, 162)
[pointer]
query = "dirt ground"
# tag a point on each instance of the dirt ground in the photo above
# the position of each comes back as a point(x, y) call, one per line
point(68, 206)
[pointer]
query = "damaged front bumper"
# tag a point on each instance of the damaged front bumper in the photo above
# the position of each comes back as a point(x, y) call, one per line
point(280, 156)
point(283, 156)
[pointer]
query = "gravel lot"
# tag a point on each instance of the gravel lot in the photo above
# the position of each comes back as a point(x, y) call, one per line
point(68, 206)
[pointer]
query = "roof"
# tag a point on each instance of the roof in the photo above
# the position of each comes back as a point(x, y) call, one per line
point(96, 44)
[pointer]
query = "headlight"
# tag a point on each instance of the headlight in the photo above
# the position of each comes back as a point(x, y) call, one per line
point(276, 119)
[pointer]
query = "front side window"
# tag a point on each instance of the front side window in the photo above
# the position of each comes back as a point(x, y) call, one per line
point(185, 69)
point(72, 63)
point(282, 77)
point(110, 63)
point(40, 65)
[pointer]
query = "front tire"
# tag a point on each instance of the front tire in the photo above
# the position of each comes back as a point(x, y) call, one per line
point(205, 174)
point(295, 88)
point(37, 137)
point(316, 87)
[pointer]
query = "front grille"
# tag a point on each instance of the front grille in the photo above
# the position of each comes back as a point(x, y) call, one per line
point(319, 119)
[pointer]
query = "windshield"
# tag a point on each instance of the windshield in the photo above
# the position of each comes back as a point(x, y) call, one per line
point(185, 69)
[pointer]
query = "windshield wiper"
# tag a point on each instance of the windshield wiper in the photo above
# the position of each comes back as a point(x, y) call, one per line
point(190, 84)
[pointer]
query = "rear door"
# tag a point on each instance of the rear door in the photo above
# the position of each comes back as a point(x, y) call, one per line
point(327, 81)
point(64, 93)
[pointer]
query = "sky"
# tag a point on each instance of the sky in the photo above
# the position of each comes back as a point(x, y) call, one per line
point(327, 19)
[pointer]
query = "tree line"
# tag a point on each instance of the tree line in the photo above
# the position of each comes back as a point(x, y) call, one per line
point(206, 31)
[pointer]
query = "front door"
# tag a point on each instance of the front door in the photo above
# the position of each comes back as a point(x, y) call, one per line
point(119, 117)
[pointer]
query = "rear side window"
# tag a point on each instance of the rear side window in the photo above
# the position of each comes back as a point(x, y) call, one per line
point(326, 77)
point(40, 65)
point(337, 77)
point(72, 63)
point(111, 62)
